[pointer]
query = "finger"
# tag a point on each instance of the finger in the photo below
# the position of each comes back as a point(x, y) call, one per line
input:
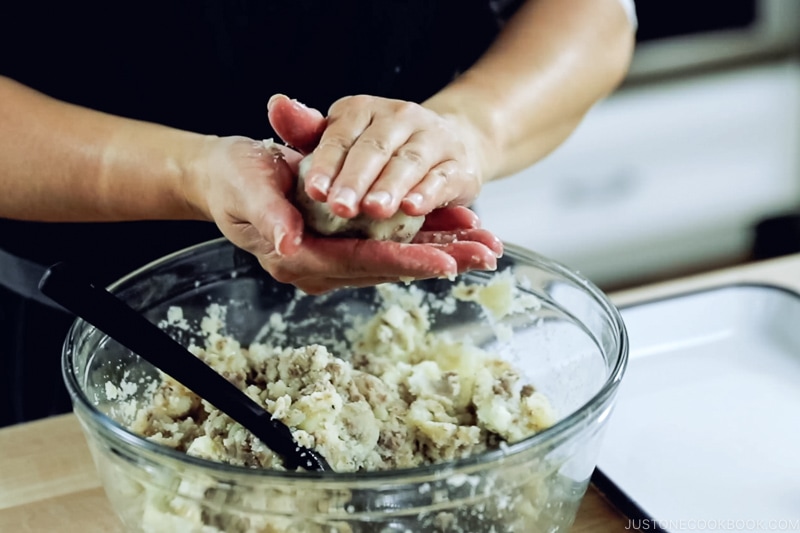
point(365, 257)
point(451, 218)
point(359, 258)
point(296, 124)
point(482, 236)
point(405, 169)
point(469, 255)
point(363, 163)
point(347, 119)
point(271, 213)
point(444, 184)
point(323, 285)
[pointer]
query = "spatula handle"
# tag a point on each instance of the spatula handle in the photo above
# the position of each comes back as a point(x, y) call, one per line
point(73, 290)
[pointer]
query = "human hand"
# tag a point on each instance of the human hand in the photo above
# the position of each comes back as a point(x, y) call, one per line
point(449, 243)
point(246, 188)
point(376, 155)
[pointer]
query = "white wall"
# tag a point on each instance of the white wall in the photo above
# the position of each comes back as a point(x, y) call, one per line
point(661, 176)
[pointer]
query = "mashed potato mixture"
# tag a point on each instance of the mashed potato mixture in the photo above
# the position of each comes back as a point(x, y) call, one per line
point(418, 378)
point(399, 395)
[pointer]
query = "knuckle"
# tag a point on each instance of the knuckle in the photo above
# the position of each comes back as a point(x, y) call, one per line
point(336, 142)
point(458, 150)
point(375, 144)
point(411, 155)
point(441, 174)
point(361, 99)
point(407, 109)
point(356, 100)
point(339, 104)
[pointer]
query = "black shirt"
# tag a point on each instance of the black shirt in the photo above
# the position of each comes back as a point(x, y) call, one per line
point(210, 66)
point(207, 66)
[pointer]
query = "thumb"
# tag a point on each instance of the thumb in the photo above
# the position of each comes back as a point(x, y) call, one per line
point(296, 124)
point(275, 215)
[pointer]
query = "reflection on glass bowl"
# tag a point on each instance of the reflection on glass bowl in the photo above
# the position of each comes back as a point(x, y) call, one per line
point(573, 348)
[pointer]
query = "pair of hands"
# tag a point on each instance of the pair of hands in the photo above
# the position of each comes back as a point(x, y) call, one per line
point(371, 155)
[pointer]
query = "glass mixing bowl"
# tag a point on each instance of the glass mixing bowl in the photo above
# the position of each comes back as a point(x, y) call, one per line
point(573, 348)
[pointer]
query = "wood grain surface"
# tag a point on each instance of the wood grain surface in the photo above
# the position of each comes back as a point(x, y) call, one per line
point(48, 484)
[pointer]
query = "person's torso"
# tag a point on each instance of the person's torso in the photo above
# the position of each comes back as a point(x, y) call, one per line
point(210, 66)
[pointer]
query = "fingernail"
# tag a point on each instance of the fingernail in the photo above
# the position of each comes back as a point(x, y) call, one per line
point(279, 234)
point(346, 198)
point(415, 199)
point(321, 183)
point(273, 98)
point(381, 198)
point(452, 272)
point(498, 251)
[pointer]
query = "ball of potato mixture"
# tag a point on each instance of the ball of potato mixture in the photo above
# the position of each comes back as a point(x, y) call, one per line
point(318, 216)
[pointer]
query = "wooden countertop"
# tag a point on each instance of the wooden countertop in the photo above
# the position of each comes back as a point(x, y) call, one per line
point(48, 481)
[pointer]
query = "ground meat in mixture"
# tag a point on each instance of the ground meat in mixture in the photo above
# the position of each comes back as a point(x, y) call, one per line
point(403, 396)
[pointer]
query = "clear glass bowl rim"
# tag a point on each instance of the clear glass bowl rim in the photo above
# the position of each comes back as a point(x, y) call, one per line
point(558, 431)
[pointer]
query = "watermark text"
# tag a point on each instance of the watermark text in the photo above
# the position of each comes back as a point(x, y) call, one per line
point(645, 524)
